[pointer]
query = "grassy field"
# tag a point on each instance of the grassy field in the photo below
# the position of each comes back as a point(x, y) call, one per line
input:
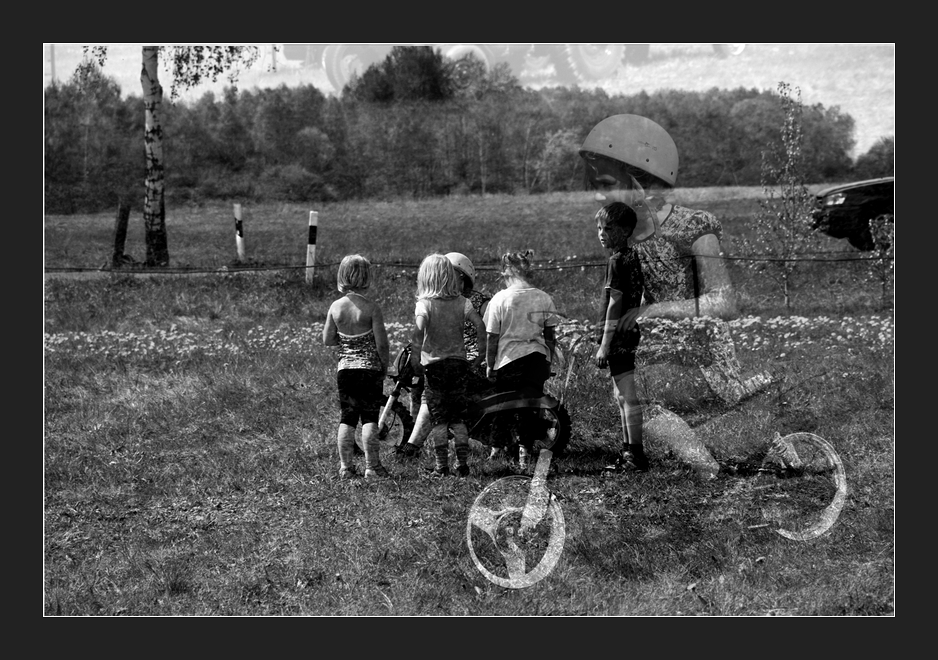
point(189, 433)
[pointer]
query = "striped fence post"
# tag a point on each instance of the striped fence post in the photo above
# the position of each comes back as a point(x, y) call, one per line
point(239, 232)
point(311, 245)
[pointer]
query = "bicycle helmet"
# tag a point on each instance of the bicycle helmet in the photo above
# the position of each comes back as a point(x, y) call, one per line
point(636, 141)
point(462, 263)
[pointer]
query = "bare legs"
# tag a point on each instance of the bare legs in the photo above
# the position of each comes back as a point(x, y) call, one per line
point(346, 443)
point(421, 428)
point(440, 440)
point(630, 408)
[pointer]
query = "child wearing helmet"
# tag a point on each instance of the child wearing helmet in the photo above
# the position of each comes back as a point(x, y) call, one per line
point(479, 301)
point(473, 339)
point(632, 159)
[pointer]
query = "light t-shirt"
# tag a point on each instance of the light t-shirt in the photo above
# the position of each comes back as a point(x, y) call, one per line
point(446, 319)
point(518, 315)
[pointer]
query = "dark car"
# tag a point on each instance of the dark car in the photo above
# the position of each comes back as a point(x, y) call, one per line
point(845, 211)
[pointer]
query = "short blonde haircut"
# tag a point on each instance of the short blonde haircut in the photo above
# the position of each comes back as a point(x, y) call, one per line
point(437, 278)
point(354, 273)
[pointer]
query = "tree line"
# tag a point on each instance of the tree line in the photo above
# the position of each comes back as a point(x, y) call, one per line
point(415, 126)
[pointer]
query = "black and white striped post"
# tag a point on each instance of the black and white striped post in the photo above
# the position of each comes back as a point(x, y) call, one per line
point(239, 232)
point(311, 245)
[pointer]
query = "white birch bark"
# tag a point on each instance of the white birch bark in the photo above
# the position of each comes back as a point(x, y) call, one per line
point(154, 214)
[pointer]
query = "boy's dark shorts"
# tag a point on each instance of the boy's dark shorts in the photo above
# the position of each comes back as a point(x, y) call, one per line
point(445, 390)
point(622, 353)
point(621, 363)
point(361, 395)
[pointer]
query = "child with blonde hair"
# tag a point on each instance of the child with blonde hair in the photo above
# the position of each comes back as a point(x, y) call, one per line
point(439, 319)
point(355, 324)
point(474, 340)
point(520, 321)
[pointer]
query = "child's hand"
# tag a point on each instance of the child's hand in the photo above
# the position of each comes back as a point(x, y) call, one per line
point(602, 357)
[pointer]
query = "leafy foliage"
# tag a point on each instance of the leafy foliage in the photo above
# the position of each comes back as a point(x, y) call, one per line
point(879, 161)
point(883, 264)
point(419, 126)
point(408, 73)
point(784, 231)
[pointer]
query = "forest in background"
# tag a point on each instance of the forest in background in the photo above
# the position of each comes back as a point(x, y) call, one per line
point(409, 127)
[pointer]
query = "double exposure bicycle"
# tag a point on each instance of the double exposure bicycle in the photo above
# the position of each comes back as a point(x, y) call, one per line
point(796, 483)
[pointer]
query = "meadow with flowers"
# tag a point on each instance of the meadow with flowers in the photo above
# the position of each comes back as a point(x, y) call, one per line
point(189, 453)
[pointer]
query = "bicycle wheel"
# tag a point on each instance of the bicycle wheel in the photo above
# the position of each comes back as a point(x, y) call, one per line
point(504, 554)
point(398, 426)
point(343, 61)
point(581, 63)
point(801, 486)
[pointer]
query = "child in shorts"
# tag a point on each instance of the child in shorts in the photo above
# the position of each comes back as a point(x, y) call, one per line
point(355, 324)
point(474, 340)
point(622, 293)
point(439, 319)
point(520, 322)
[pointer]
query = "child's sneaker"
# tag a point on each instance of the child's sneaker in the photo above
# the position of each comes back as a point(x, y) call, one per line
point(441, 471)
point(377, 471)
point(634, 458)
point(407, 451)
point(462, 470)
point(348, 472)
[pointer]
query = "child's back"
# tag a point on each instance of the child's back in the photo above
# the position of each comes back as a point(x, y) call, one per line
point(355, 324)
point(354, 317)
point(444, 331)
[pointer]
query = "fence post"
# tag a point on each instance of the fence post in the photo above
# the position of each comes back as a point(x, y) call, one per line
point(311, 245)
point(239, 232)
point(120, 234)
point(693, 261)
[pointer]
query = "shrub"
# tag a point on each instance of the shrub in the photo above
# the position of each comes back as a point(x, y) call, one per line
point(879, 161)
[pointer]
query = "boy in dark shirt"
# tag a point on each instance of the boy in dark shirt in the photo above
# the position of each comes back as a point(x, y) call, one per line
point(622, 292)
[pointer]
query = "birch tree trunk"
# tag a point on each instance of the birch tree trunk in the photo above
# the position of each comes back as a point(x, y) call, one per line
point(154, 212)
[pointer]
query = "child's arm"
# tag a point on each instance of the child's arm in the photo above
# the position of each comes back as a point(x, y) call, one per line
point(476, 319)
point(491, 354)
point(330, 333)
point(420, 331)
point(550, 338)
point(613, 312)
point(381, 338)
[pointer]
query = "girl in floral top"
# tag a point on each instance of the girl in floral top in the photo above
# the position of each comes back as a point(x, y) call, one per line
point(356, 325)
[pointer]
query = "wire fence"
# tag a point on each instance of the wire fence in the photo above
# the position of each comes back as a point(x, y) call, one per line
point(551, 265)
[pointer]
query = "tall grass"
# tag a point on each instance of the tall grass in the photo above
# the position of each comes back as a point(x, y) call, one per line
point(189, 436)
